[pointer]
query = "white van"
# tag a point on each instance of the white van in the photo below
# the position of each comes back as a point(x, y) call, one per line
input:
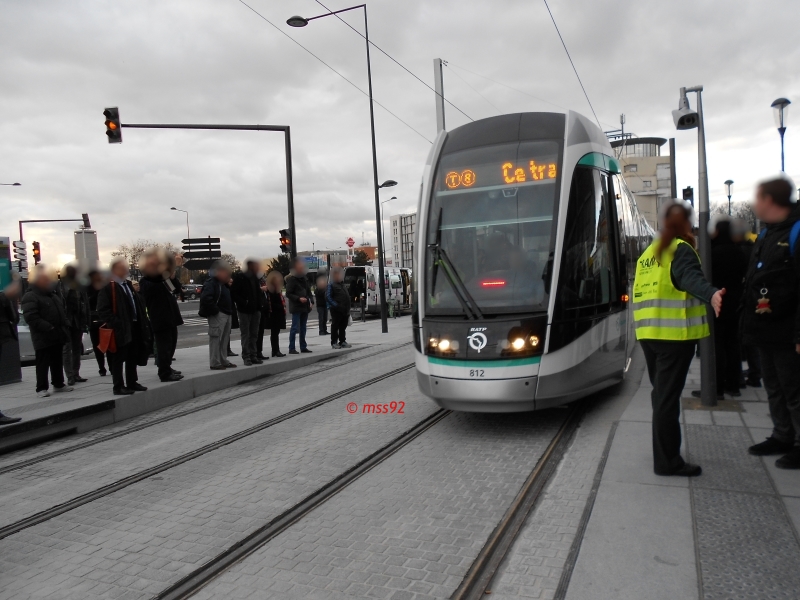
point(362, 280)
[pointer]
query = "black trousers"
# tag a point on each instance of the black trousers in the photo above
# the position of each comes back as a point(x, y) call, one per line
point(94, 334)
point(726, 348)
point(780, 366)
point(667, 366)
point(274, 340)
point(123, 362)
point(166, 341)
point(753, 362)
point(322, 314)
point(338, 327)
point(49, 360)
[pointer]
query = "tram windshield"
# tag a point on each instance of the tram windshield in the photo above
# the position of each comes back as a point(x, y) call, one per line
point(490, 226)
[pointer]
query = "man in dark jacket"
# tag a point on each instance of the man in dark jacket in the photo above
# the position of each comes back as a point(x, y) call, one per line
point(771, 316)
point(157, 287)
point(320, 292)
point(96, 283)
point(298, 291)
point(249, 298)
point(750, 352)
point(9, 317)
point(338, 299)
point(76, 305)
point(44, 313)
point(121, 309)
point(216, 306)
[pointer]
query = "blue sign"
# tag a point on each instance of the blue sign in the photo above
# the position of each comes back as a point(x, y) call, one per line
point(312, 262)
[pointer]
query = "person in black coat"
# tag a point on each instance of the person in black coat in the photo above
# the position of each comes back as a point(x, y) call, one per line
point(47, 320)
point(298, 291)
point(277, 311)
point(728, 268)
point(96, 283)
point(158, 287)
point(76, 305)
point(9, 317)
point(120, 308)
point(338, 299)
point(248, 295)
point(322, 304)
point(264, 324)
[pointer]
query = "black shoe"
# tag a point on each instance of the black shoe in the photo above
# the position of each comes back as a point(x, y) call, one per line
point(79, 379)
point(6, 420)
point(70, 381)
point(791, 460)
point(174, 372)
point(138, 387)
point(279, 355)
point(232, 353)
point(262, 357)
point(769, 447)
point(171, 377)
point(293, 352)
point(103, 372)
point(753, 382)
point(248, 363)
point(699, 394)
point(735, 393)
point(306, 351)
point(688, 470)
point(122, 392)
point(324, 332)
point(257, 361)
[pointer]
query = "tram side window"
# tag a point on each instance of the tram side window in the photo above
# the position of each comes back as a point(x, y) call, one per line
point(587, 269)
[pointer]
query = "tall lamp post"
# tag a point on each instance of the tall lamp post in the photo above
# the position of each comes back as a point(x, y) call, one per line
point(383, 231)
point(728, 191)
point(781, 111)
point(686, 118)
point(188, 236)
point(298, 21)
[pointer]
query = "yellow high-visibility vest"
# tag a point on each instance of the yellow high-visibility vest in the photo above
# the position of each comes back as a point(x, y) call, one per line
point(660, 310)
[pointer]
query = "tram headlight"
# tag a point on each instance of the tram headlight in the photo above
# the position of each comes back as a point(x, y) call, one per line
point(518, 343)
point(433, 343)
point(444, 345)
point(534, 341)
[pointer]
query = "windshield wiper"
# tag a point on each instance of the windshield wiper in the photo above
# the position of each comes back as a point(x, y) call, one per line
point(461, 292)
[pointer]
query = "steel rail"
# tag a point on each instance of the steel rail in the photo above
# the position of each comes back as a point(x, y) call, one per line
point(106, 490)
point(80, 446)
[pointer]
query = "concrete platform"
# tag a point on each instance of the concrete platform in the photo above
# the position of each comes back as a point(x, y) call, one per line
point(92, 404)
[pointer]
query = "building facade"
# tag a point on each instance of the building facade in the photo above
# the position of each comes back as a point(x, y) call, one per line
point(401, 234)
point(646, 172)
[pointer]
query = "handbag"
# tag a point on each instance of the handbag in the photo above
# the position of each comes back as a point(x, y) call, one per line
point(108, 338)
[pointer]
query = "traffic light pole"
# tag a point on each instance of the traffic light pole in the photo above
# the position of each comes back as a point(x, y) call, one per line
point(288, 140)
point(22, 239)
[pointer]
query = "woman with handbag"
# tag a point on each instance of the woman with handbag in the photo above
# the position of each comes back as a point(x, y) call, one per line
point(277, 310)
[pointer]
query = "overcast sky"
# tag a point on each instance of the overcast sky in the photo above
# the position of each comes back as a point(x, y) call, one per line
point(215, 61)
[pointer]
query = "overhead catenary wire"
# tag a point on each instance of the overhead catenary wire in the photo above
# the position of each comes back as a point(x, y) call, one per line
point(394, 60)
point(563, 43)
point(444, 62)
point(335, 71)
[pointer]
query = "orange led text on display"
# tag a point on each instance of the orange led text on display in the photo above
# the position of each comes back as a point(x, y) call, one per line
point(537, 172)
point(455, 180)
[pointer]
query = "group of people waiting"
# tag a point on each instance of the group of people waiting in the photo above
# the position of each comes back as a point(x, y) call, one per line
point(755, 297)
point(255, 300)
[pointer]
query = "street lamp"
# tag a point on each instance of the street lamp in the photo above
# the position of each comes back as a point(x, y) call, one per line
point(729, 190)
point(188, 236)
point(10, 184)
point(297, 21)
point(686, 118)
point(781, 111)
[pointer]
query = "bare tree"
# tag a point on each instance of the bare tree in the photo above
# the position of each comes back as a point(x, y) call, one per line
point(739, 210)
point(133, 251)
point(232, 261)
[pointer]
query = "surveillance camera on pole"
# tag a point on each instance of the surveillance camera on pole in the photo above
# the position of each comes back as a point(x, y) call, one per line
point(685, 117)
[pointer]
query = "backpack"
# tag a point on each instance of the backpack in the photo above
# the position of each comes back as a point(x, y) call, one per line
point(793, 235)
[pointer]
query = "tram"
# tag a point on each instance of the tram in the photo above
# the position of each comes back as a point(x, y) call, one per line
point(527, 245)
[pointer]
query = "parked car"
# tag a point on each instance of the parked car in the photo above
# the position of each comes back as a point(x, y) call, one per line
point(27, 354)
point(191, 291)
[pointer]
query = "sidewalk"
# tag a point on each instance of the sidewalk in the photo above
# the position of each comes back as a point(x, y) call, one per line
point(730, 533)
point(92, 404)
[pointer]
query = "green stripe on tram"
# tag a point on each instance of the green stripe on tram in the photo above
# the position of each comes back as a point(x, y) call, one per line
point(600, 161)
point(510, 362)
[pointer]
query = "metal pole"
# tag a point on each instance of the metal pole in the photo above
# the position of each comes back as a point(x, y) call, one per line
point(290, 191)
point(188, 235)
point(782, 130)
point(438, 82)
point(729, 206)
point(708, 374)
point(673, 175)
point(384, 322)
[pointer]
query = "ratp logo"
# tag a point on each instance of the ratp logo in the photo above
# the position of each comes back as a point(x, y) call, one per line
point(477, 340)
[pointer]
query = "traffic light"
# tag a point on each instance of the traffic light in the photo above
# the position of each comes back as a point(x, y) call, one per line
point(21, 255)
point(37, 253)
point(86, 224)
point(286, 241)
point(113, 127)
point(688, 194)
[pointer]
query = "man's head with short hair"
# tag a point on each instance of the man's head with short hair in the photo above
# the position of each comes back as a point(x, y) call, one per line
point(299, 265)
point(775, 199)
point(42, 277)
point(119, 267)
point(252, 264)
point(221, 270)
point(337, 274)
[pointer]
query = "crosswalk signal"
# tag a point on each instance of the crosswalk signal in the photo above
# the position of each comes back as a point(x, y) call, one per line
point(286, 241)
point(113, 127)
point(688, 195)
point(37, 253)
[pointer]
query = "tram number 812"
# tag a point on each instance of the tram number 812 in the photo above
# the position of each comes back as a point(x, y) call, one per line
point(476, 372)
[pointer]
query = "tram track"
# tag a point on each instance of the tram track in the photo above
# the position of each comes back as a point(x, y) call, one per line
point(111, 488)
point(117, 434)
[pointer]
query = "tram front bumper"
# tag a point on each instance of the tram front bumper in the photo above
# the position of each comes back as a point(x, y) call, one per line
point(487, 395)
